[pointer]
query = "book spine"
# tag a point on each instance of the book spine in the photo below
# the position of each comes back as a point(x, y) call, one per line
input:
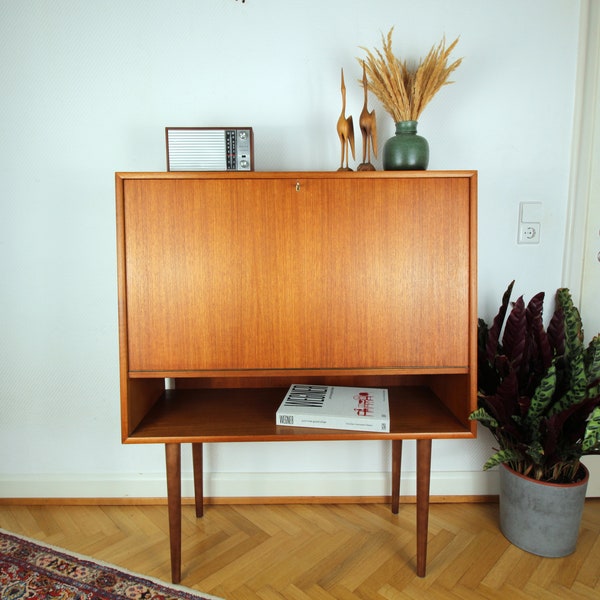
point(329, 422)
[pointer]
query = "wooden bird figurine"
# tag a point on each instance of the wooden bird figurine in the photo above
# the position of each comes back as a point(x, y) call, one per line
point(345, 129)
point(368, 128)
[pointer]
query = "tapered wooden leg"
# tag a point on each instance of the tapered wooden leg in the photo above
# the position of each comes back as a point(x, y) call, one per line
point(198, 478)
point(423, 480)
point(173, 457)
point(396, 463)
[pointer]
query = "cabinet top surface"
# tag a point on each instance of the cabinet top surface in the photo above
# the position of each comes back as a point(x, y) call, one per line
point(294, 174)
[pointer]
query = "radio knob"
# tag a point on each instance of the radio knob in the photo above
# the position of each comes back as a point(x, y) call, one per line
point(244, 164)
point(243, 135)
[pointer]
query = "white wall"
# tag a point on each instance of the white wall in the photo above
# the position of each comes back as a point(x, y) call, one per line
point(87, 89)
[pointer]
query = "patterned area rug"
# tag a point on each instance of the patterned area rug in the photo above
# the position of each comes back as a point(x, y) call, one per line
point(33, 571)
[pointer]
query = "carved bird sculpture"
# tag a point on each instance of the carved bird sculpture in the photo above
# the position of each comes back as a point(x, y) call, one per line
point(368, 128)
point(345, 129)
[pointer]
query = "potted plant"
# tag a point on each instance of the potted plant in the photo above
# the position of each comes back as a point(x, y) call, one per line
point(539, 395)
point(404, 91)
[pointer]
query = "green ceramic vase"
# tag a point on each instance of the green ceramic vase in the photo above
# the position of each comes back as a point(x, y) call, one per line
point(406, 151)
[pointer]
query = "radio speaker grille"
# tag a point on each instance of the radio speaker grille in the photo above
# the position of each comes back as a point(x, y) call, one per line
point(209, 149)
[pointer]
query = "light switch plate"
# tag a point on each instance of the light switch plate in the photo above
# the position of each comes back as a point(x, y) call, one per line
point(531, 212)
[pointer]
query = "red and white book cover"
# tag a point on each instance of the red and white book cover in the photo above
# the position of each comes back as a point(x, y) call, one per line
point(335, 407)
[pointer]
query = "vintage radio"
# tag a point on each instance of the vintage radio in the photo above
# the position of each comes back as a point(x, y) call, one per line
point(210, 149)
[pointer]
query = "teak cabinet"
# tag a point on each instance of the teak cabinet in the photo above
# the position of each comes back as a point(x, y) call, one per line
point(232, 286)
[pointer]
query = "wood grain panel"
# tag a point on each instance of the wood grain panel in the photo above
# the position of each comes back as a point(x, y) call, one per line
point(255, 274)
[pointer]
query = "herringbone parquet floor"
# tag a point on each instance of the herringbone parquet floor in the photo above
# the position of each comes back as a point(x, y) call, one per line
point(322, 552)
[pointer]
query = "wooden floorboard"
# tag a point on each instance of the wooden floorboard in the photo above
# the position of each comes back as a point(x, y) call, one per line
point(321, 552)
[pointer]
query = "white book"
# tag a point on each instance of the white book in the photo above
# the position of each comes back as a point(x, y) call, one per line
point(335, 407)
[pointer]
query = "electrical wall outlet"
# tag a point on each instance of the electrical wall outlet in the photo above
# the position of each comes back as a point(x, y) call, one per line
point(530, 222)
point(529, 233)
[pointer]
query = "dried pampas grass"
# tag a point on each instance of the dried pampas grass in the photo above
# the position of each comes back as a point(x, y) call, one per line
point(405, 92)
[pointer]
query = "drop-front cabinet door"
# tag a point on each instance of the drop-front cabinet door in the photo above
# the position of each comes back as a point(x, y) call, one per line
point(273, 273)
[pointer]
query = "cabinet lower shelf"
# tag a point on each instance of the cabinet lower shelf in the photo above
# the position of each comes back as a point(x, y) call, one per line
point(248, 415)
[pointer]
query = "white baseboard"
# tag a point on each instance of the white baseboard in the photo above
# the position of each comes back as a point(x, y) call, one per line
point(246, 485)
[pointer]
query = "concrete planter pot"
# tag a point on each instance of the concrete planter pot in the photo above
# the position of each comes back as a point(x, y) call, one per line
point(539, 517)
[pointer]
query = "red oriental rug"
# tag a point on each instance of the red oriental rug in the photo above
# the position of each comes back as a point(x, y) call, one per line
point(34, 571)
